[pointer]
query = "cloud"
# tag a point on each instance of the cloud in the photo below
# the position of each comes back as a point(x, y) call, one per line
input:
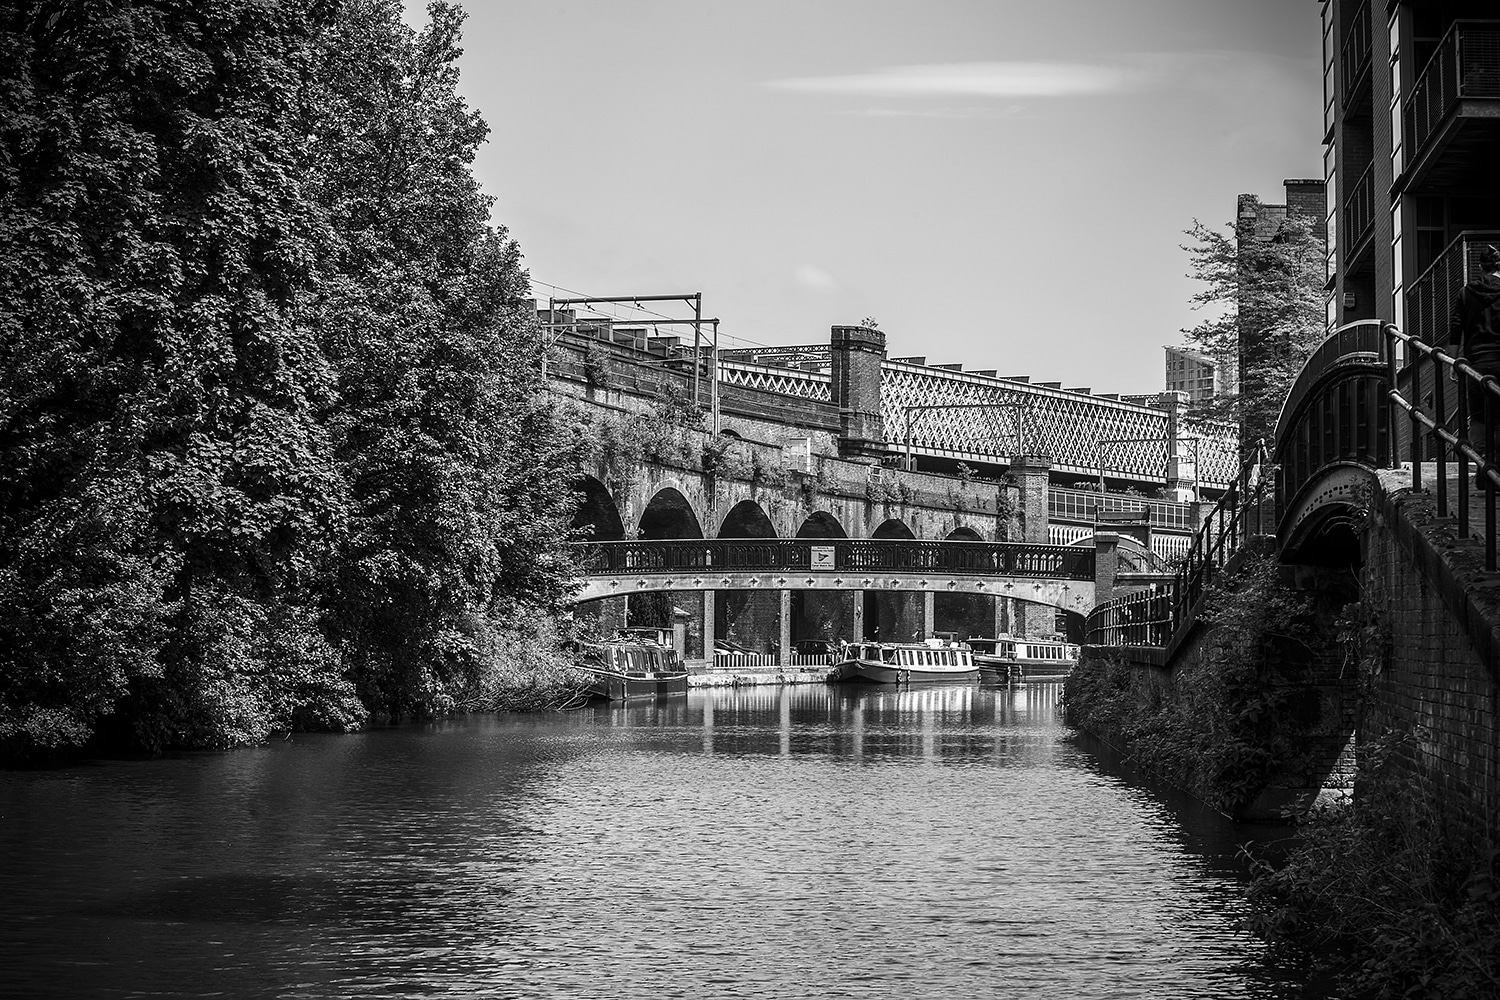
point(809, 276)
point(985, 79)
point(1009, 111)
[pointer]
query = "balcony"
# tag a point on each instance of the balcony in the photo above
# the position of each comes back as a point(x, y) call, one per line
point(1430, 299)
point(1354, 59)
point(1358, 221)
point(1451, 121)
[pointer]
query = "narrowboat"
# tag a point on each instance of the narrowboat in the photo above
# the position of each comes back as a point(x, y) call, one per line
point(1044, 659)
point(634, 664)
point(904, 662)
point(995, 658)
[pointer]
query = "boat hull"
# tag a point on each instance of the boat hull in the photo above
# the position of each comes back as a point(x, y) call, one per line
point(996, 669)
point(871, 672)
point(621, 687)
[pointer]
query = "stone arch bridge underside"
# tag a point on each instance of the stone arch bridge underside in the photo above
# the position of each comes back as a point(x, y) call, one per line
point(1056, 575)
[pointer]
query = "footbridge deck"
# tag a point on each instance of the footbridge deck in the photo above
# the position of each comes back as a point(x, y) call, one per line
point(1059, 575)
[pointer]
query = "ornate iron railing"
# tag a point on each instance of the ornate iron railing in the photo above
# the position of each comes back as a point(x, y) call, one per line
point(1139, 619)
point(1466, 64)
point(1438, 408)
point(842, 555)
point(994, 419)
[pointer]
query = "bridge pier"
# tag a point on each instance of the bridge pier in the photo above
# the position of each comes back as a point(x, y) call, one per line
point(929, 616)
point(784, 643)
point(859, 616)
point(710, 629)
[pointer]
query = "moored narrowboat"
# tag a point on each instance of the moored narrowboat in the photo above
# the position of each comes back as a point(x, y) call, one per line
point(904, 663)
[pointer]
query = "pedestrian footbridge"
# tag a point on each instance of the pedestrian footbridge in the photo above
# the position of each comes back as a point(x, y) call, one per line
point(1058, 575)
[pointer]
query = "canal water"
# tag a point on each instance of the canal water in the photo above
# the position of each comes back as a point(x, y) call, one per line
point(754, 842)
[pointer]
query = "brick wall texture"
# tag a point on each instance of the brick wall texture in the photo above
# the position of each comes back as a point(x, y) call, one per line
point(1431, 683)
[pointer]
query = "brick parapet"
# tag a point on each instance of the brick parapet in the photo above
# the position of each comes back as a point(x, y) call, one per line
point(1435, 678)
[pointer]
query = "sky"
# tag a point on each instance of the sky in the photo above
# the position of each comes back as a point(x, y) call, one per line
point(999, 184)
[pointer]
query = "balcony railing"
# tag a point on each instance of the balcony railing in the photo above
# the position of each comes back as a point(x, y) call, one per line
point(1355, 57)
point(1466, 65)
point(1359, 213)
point(1430, 299)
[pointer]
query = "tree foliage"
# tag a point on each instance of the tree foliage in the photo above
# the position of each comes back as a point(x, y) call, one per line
point(1263, 293)
point(261, 450)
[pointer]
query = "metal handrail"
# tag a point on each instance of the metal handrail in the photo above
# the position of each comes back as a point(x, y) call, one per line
point(1139, 619)
point(1448, 430)
point(1224, 531)
point(851, 555)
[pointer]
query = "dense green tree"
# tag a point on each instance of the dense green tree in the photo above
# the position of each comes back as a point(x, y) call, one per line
point(270, 413)
point(459, 507)
point(167, 477)
point(1264, 296)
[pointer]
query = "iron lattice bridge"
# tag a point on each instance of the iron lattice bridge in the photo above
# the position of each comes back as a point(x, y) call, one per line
point(1059, 575)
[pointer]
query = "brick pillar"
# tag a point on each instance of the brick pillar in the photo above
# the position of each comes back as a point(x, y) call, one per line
point(856, 354)
point(1030, 473)
point(1106, 564)
point(710, 630)
point(1002, 615)
point(785, 639)
point(859, 616)
point(929, 612)
point(1182, 471)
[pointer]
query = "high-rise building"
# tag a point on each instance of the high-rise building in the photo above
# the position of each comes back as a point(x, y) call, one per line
point(1193, 373)
point(1411, 94)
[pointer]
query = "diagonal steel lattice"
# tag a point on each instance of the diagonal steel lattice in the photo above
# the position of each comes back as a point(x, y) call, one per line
point(994, 419)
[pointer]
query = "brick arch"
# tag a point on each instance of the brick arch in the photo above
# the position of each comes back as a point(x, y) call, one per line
point(596, 518)
point(648, 491)
point(821, 524)
point(669, 514)
point(747, 519)
point(964, 533)
point(893, 527)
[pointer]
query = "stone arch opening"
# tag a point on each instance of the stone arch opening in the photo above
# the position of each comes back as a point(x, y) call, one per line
point(596, 517)
point(893, 527)
point(964, 615)
point(747, 519)
point(747, 621)
point(894, 616)
point(821, 524)
point(669, 515)
point(820, 618)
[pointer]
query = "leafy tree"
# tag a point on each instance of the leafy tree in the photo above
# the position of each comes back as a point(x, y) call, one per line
point(1266, 296)
point(452, 458)
point(167, 477)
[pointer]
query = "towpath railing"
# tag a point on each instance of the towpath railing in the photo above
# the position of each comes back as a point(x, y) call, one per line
point(1247, 509)
point(844, 555)
point(1140, 619)
point(1443, 392)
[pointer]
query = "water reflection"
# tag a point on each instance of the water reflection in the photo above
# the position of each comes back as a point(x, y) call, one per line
point(765, 842)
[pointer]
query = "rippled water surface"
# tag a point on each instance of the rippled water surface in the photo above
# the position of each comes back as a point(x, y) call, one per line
point(761, 842)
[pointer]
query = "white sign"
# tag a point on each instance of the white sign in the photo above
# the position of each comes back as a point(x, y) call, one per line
point(822, 557)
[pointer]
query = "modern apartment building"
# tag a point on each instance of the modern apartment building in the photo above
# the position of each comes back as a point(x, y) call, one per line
point(1412, 155)
point(1193, 373)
